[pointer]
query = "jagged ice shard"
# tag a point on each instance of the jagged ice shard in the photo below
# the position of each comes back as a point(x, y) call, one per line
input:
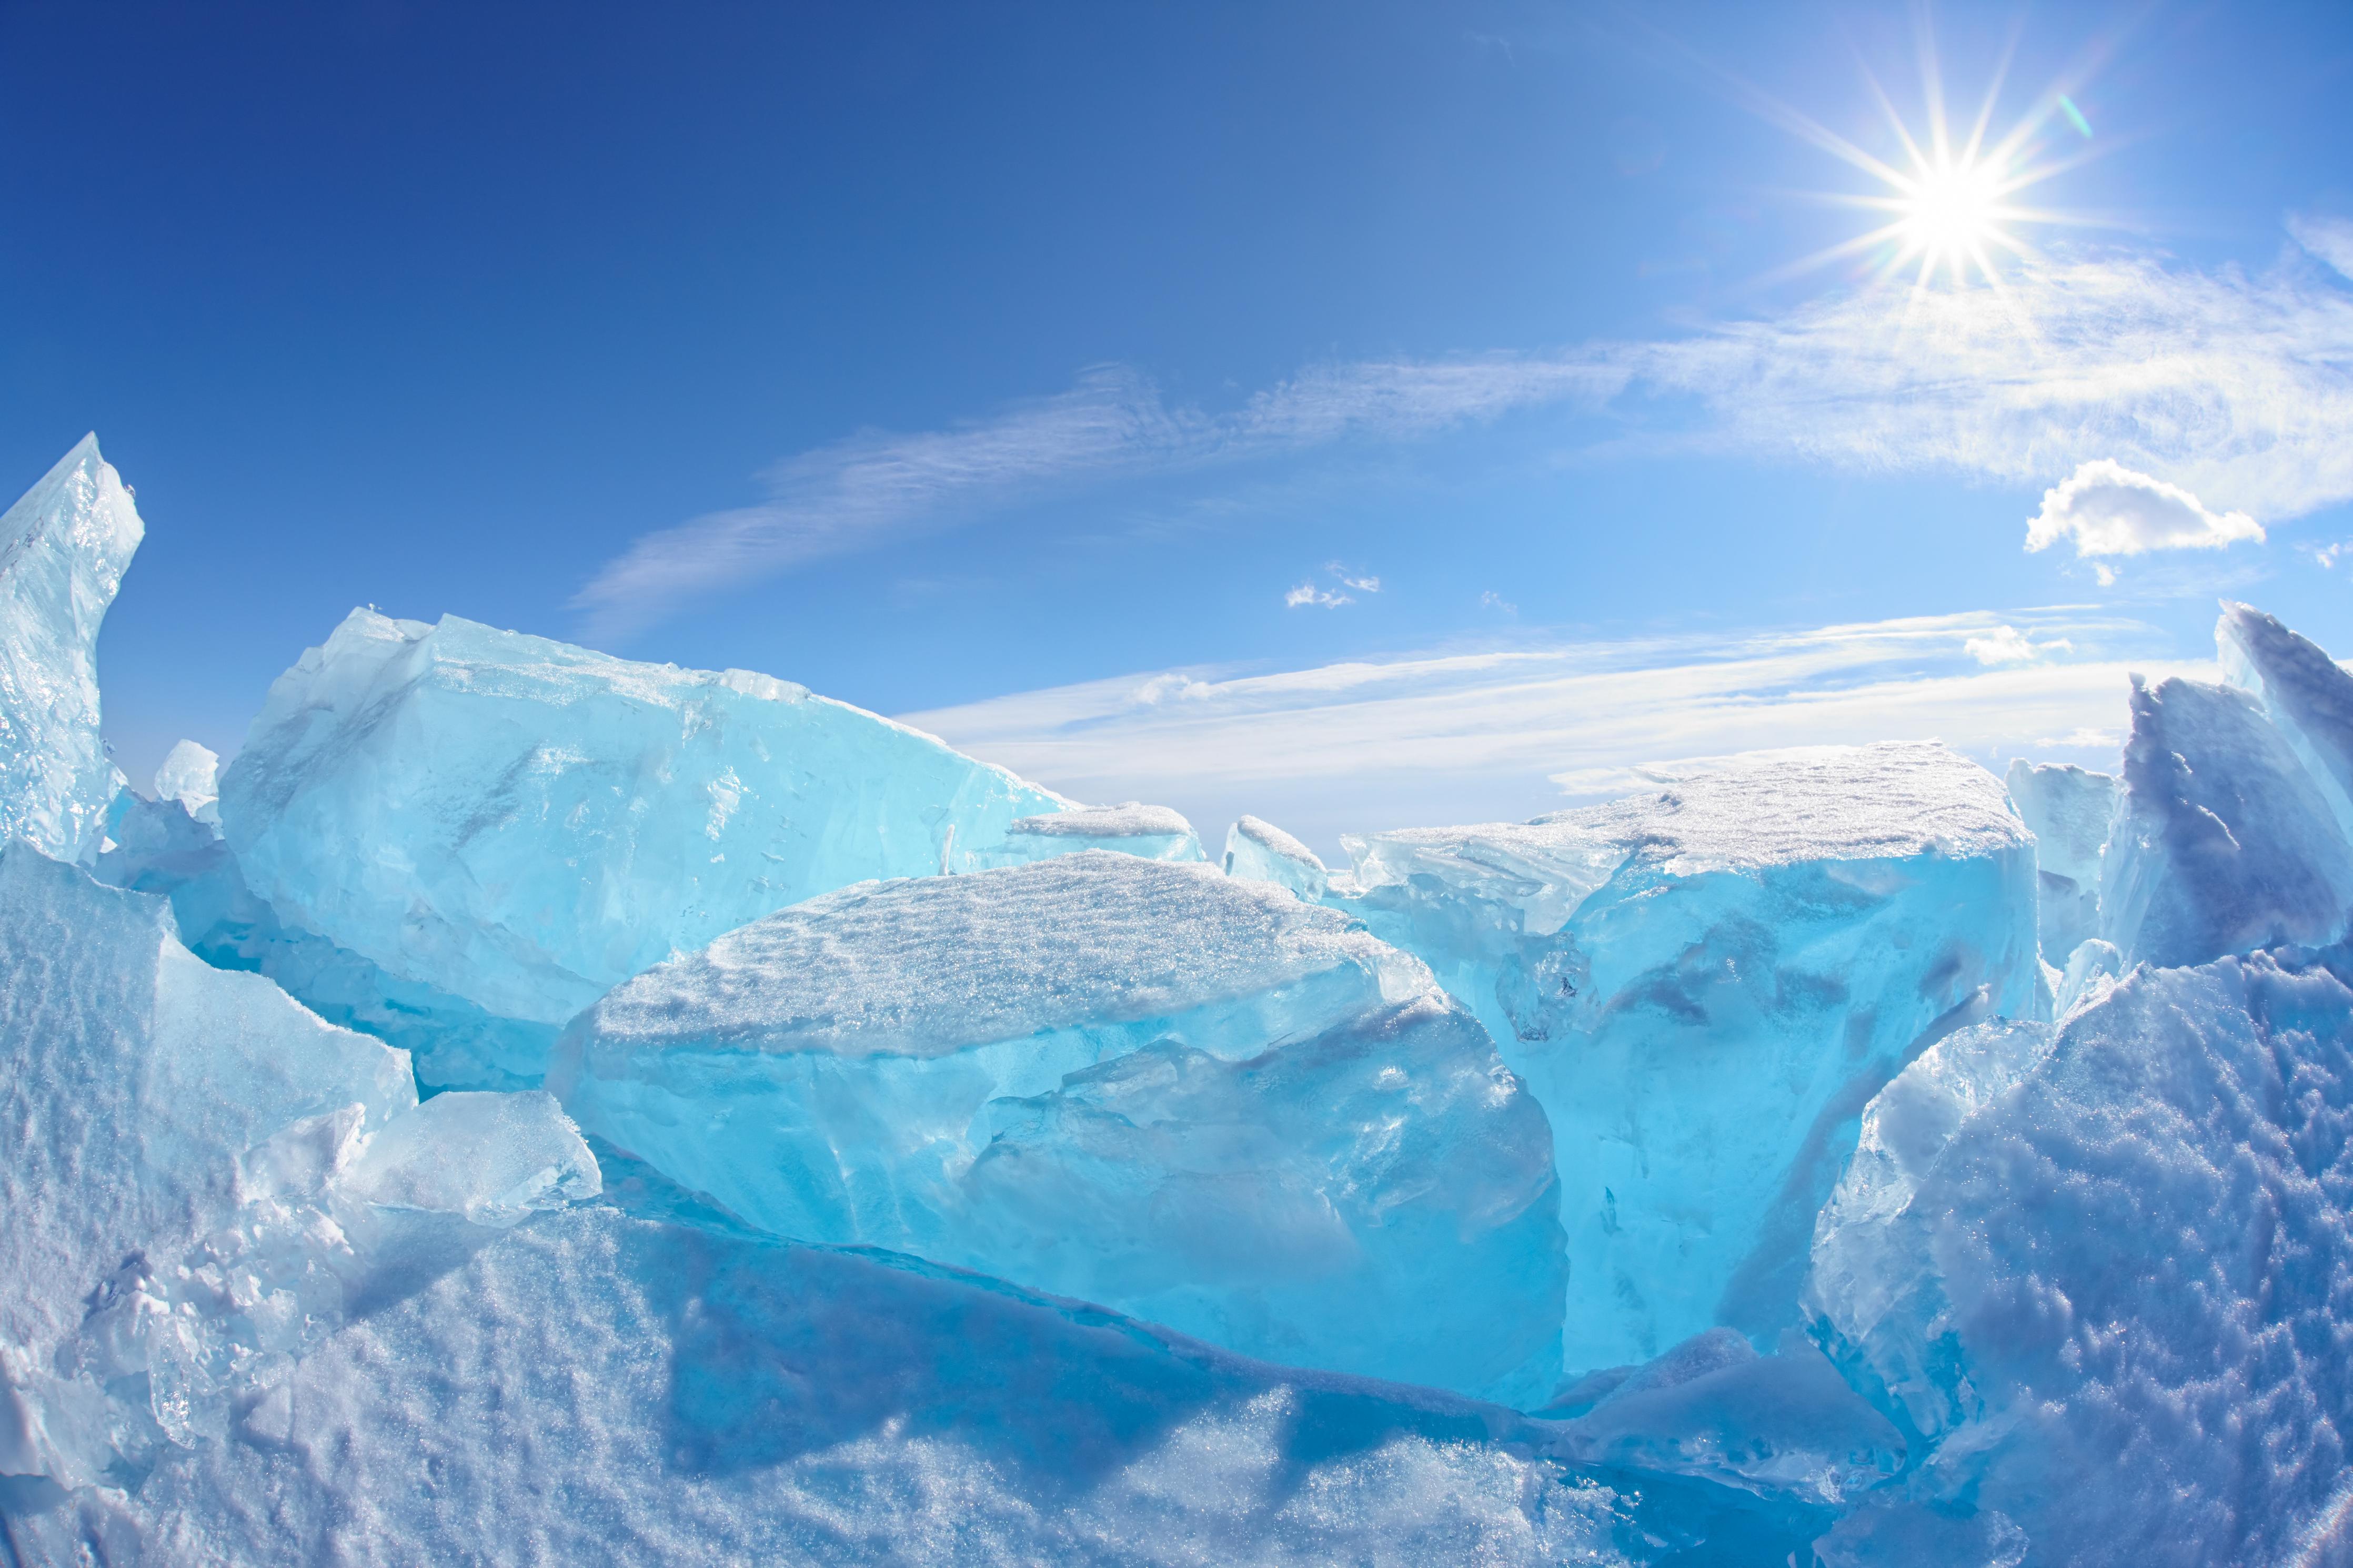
point(2067, 809)
point(2223, 842)
point(520, 825)
point(63, 550)
point(1140, 1083)
point(1259, 851)
point(1702, 987)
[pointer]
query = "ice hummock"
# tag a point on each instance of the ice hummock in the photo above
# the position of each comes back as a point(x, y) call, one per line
point(1259, 851)
point(260, 1308)
point(1185, 1096)
point(2223, 841)
point(1702, 987)
point(2101, 1278)
point(63, 550)
point(199, 1182)
point(520, 823)
point(2067, 809)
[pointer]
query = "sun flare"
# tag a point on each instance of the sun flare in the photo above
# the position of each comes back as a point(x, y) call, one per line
point(1949, 201)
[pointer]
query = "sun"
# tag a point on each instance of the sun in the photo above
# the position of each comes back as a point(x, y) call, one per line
point(1950, 202)
point(1951, 215)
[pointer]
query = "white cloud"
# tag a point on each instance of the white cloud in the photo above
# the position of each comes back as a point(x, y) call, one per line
point(2003, 644)
point(2229, 383)
point(2328, 238)
point(1362, 584)
point(1309, 593)
point(1491, 600)
point(1494, 733)
point(2109, 510)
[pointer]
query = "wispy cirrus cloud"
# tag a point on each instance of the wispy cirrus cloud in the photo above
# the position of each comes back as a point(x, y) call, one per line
point(2236, 386)
point(871, 489)
point(1510, 731)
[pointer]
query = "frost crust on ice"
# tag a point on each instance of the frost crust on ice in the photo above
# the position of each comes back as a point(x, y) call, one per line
point(1702, 987)
point(1136, 1083)
point(63, 550)
point(521, 824)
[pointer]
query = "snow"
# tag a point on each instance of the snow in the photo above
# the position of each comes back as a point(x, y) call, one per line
point(2104, 1279)
point(1259, 851)
point(2222, 842)
point(1144, 1083)
point(521, 825)
point(2067, 809)
point(202, 1181)
point(595, 1387)
point(63, 550)
point(1702, 987)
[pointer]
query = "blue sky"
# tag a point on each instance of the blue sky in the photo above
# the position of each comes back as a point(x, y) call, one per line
point(1051, 375)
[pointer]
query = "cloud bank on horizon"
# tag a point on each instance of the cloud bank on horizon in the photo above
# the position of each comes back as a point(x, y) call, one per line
point(2139, 386)
point(1506, 732)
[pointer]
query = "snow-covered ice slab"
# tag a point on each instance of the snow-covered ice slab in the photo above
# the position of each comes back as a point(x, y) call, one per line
point(2103, 1278)
point(521, 824)
point(1702, 987)
point(1153, 832)
point(63, 550)
point(1259, 851)
point(2223, 841)
point(199, 1177)
point(1145, 1084)
point(2067, 809)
